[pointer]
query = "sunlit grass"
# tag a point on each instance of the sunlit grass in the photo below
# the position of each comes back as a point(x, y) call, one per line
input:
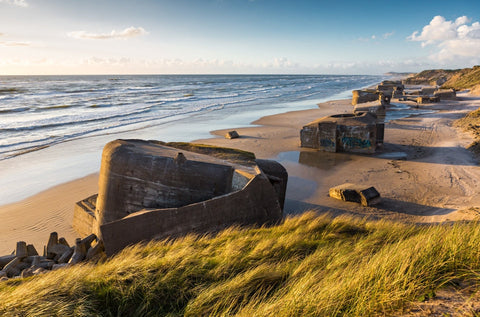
point(310, 266)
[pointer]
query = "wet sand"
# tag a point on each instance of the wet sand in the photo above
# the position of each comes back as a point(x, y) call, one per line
point(437, 181)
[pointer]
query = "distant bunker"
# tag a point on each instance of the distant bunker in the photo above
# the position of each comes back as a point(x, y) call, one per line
point(155, 190)
point(359, 132)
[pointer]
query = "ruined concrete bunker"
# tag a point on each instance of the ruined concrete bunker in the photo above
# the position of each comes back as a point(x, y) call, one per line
point(156, 190)
point(359, 132)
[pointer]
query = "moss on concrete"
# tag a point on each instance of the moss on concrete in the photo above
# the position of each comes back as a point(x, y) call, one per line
point(229, 154)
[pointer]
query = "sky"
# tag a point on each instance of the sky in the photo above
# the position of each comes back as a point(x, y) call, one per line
point(40, 37)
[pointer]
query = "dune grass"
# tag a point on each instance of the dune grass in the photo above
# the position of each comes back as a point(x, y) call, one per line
point(308, 266)
point(471, 123)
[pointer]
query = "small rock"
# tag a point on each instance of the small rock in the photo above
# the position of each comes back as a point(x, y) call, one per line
point(96, 250)
point(21, 250)
point(31, 251)
point(59, 266)
point(79, 253)
point(92, 237)
point(232, 135)
point(66, 256)
point(27, 272)
point(5, 259)
point(63, 241)
point(52, 242)
point(365, 195)
point(11, 268)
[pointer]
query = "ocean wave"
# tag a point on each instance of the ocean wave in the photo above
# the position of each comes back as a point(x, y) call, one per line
point(12, 90)
point(14, 110)
point(59, 108)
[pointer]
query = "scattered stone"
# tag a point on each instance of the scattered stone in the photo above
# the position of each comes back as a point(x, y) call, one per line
point(366, 196)
point(66, 256)
point(21, 250)
point(232, 135)
point(52, 242)
point(25, 261)
point(60, 266)
point(27, 272)
point(59, 249)
point(63, 241)
point(92, 237)
point(446, 94)
point(94, 252)
point(427, 99)
point(36, 261)
point(79, 253)
point(4, 260)
point(369, 196)
point(11, 268)
point(31, 250)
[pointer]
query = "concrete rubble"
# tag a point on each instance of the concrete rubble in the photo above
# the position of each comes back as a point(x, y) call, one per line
point(57, 253)
point(155, 190)
point(388, 90)
point(365, 195)
point(231, 135)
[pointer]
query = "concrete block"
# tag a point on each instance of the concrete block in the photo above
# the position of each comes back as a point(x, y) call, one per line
point(446, 94)
point(21, 250)
point(231, 135)
point(365, 195)
point(369, 196)
point(79, 253)
point(350, 132)
point(31, 250)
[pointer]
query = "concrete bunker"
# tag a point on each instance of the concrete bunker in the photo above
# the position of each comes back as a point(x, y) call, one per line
point(156, 190)
point(359, 132)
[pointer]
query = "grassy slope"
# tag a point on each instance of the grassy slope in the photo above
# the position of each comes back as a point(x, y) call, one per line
point(459, 78)
point(310, 265)
point(464, 79)
point(471, 123)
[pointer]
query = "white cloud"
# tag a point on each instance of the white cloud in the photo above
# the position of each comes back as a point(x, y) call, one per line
point(387, 35)
point(374, 37)
point(125, 34)
point(13, 43)
point(454, 40)
point(20, 3)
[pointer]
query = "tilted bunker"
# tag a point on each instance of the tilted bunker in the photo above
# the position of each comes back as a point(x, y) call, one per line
point(359, 132)
point(155, 190)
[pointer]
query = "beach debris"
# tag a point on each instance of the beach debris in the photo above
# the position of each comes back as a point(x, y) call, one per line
point(427, 99)
point(383, 93)
point(365, 195)
point(231, 135)
point(446, 94)
point(26, 262)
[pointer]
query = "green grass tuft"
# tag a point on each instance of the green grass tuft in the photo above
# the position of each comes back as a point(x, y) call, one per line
point(308, 266)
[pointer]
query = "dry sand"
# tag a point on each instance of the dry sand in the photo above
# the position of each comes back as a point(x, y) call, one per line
point(437, 182)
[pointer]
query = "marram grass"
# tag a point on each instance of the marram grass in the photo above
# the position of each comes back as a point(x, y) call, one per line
point(308, 266)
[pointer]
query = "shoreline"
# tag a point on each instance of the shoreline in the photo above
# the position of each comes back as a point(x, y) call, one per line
point(33, 218)
point(432, 185)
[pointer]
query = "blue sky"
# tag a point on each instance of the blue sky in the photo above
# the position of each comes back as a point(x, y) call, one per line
point(236, 36)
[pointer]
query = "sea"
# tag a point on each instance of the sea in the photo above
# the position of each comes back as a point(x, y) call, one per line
point(53, 128)
point(41, 111)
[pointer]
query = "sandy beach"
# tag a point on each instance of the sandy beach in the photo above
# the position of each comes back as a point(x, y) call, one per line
point(437, 181)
